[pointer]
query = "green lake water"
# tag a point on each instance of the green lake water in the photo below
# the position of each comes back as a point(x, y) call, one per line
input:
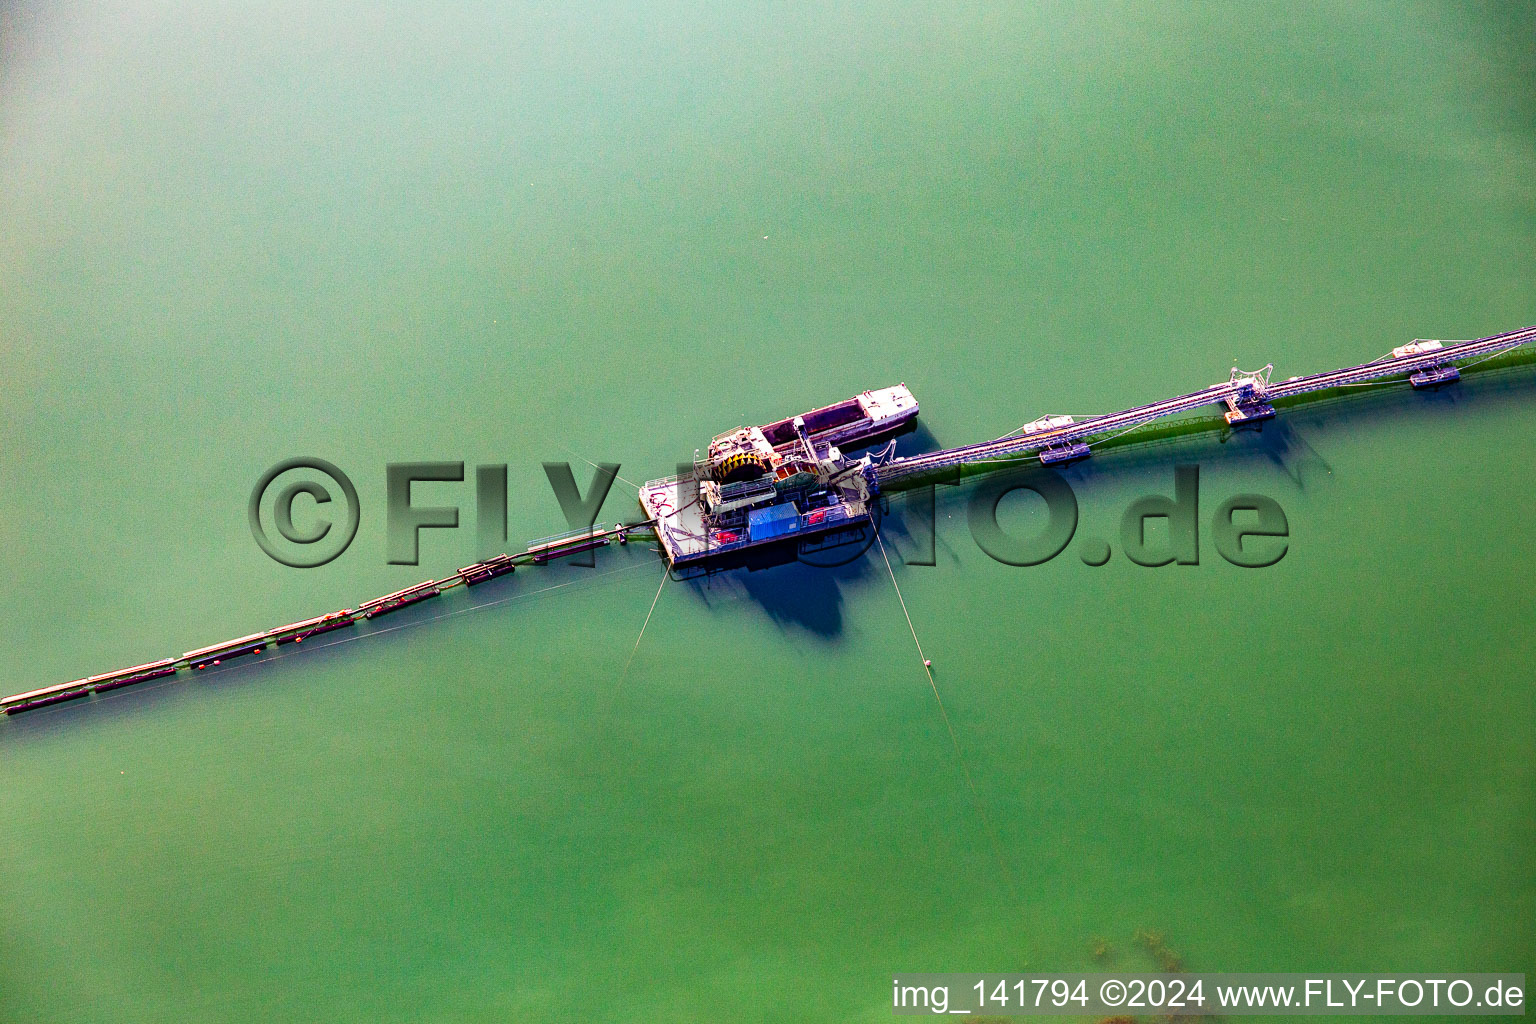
point(231, 234)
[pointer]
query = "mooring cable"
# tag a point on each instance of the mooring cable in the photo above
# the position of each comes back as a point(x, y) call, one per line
point(981, 808)
point(594, 465)
point(665, 572)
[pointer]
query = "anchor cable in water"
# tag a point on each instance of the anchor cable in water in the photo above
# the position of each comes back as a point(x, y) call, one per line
point(633, 650)
point(594, 465)
point(981, 808)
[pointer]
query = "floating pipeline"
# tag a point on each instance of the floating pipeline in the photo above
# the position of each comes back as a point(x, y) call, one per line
point(813, 437)
point(42, 702)
point(142, 677)
point(480, 572)
point(203, 657)
point(296, 632)
point(400, 599)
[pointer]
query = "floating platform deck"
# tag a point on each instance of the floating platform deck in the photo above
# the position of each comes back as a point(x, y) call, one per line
point(1435, 377)
point(866, 417)
point(1064, 453)
point(687, 541)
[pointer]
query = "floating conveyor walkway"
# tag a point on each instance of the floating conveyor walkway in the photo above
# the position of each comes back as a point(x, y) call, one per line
point(1247, 397)
point(1053, 440)
point(538, 553)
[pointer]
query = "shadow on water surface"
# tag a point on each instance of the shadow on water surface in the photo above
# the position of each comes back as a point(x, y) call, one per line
point(915, 440)
point(803, 590)
point(800, 592)
point(808, 592)
point(1287, 442)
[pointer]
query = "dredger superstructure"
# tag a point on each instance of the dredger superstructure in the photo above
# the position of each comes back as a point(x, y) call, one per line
point(758, 486)
point(793, 482)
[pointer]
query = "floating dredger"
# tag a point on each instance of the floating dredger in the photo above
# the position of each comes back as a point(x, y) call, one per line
point(792, 483)
point(787, 481)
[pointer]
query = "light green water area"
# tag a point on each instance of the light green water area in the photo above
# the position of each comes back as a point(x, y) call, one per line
point(232, 234)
